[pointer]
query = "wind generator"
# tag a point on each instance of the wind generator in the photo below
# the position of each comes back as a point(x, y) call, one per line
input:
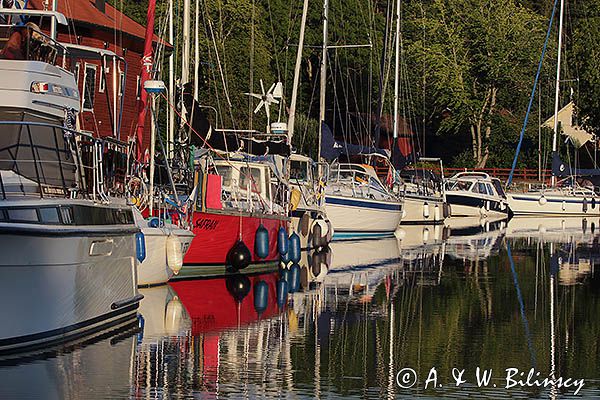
point(271, 96)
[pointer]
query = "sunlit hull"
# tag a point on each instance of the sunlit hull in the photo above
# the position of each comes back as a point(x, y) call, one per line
point(423, 210)
point(539, 203)
point(154, 270)
point(216, 232)
point(58, 283)
point(362, 218)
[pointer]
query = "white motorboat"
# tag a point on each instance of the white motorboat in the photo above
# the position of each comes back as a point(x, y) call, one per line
point(166, 245)
point(358, 204)
point(68, 264)
point(472, 194)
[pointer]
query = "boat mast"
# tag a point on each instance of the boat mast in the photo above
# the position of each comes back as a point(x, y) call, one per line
point(196, 50)
point(292, 114)
point(185, 52)
point(53, 20)
point(147, 62)
point(323, 76)
point(171, 130)
point(557, 91)
point(397, 63)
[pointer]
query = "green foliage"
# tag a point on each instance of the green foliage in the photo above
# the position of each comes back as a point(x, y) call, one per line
point(475, 58)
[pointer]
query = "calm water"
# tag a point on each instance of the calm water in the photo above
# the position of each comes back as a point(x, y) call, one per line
point(523, 295)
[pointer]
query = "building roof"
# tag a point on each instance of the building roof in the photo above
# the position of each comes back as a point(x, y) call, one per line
point(85, 11)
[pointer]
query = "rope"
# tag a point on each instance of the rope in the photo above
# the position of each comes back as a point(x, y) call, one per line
point(537, 77)
point(247, 175)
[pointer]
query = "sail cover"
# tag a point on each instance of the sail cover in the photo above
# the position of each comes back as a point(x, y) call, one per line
point(562, 170)
point(332, 149)
point(203, 135)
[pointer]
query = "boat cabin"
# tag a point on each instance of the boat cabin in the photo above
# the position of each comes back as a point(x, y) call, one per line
point(477, 183)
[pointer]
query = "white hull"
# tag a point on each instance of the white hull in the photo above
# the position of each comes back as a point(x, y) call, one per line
point(423, 210)
point(154, 270)
point(362, 217)
point(553, 204)
point(56, 285)
point(461, 210)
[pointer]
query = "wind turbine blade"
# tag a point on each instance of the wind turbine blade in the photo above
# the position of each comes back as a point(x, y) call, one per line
point(274, 101)
point(271, 89)
point(267, 110)
point(262, 87)
point(257, 109)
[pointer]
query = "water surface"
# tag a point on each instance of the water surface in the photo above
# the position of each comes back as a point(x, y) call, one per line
point(433, 301)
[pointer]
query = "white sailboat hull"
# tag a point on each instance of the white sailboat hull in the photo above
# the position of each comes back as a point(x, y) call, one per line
point(154, 270)
point(353, 217)
point(553, 204)
point(423, 210)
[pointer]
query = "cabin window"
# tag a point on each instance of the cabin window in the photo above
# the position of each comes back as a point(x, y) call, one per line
point(376, 185)
point(250, 178)
point(490, 190)
point(226, 173)
point(89, 87)
point(482, 188)
point(102, 81)
point(298, 171)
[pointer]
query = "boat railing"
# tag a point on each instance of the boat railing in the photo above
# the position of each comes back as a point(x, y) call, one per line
point(45, 160)
point(28, 43)
point(357, 182)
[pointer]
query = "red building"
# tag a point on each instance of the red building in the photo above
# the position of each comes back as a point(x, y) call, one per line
point(96, 24)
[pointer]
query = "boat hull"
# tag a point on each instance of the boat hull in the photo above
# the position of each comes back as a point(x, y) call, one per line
point(356, 218)
point(217, 232)
point(57, 286)
point(154, 270)
point(462, 205)
point(549, 204)
point(423, 210)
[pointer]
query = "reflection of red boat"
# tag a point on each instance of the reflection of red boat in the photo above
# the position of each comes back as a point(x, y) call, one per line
point(212, 307)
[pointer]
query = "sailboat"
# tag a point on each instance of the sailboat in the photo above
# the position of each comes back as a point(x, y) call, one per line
point(357, 203)
point(570, 199)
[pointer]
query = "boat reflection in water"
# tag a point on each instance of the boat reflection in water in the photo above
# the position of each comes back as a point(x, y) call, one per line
point(97, 366)
point(496, 297)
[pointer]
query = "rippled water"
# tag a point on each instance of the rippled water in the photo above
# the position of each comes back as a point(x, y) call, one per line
point(431, 302)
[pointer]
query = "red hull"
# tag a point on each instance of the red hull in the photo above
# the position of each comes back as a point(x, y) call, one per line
point(217, 232)
point(213, 309)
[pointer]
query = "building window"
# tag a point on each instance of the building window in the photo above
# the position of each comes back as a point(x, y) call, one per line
point(102, 82)
point(89, 87)
point(121, 83)
point(138, 88)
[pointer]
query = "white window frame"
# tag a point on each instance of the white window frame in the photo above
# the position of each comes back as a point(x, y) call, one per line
point(77, 72)
point(102, 81)
point(138, 89)
point(121, 83)
point(86, 67)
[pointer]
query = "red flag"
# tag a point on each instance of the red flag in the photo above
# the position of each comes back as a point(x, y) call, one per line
point(147, 61)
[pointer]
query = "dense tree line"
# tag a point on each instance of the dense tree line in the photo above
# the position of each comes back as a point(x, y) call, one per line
point(467, 69)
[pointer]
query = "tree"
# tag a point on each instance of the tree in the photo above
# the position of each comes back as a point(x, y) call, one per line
point(479, 55)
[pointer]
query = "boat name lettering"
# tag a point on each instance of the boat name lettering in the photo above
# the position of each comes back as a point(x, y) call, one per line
point(207, 224)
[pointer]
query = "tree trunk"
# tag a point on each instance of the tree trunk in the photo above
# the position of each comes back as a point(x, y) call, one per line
point(488, 128)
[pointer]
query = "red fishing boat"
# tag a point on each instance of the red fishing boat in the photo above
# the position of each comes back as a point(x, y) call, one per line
point(236, 197)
